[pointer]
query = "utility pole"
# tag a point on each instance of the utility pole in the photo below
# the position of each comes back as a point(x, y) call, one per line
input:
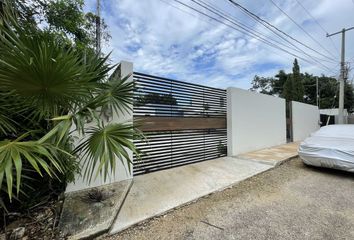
point(317, 94)
point(343, 75)
point(98, 28)
point(317, 91)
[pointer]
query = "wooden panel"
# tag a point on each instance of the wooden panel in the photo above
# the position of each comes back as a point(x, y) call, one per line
point(178, 123)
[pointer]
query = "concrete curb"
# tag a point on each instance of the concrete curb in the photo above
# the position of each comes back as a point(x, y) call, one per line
point(184, 204)
point(286, 160)
point(85, 220)
point(278, 163)
point(273, 163)
point(120, 208)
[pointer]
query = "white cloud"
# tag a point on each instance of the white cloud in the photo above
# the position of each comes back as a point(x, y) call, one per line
point(161, 39)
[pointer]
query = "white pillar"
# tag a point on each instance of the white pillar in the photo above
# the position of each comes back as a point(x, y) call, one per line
point(229, 124)
point(124, 69)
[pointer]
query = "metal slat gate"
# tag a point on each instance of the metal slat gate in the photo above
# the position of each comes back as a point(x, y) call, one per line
point(183, 123)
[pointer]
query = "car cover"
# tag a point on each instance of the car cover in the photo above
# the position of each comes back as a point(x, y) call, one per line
point(331, 146)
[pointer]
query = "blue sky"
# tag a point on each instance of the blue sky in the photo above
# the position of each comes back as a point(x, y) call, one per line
point(166, 39)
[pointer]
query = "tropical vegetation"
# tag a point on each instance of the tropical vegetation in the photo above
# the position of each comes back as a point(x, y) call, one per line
point(54, 96)
point(293, 89)
point(297, 86)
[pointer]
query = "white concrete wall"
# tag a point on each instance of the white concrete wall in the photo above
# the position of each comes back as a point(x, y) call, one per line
point(305, 120)
point(122, 172)
point(254, 121)
point(335, 112)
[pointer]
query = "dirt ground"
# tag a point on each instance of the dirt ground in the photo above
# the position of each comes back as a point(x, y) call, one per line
point(292, 201)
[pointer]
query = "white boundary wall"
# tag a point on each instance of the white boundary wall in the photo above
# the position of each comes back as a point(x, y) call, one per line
point(254, 121)
point(121, 172)
point(305, 120)
point(334, 112)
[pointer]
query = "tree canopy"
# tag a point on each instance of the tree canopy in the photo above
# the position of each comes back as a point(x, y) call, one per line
point(64, 18)
point(280, 84)
point(293, 88)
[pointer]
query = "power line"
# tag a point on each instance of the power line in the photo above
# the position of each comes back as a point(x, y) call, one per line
point(308, 13)
point(323, 29)
point(271, 44)
point(343, 75)
point(299, 26)
point(271, 26)
point(294, 47)
point(338, 64)
point(334, 69)
point(235, 22)
point(204, 20)
point(182, 10)
point(186, 12)
point(246, 32)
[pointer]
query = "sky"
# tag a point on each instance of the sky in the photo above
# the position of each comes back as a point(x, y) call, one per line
point(165, 38)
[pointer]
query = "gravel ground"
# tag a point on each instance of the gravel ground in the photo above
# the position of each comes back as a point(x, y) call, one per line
point(292, 201)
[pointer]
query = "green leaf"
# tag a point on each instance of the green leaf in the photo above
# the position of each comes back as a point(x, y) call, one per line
point(48, 87)
point(60, 118)
point(104, 146)
point(13, 153)
point(18, 165)
point(58, 132)
point(9, 178)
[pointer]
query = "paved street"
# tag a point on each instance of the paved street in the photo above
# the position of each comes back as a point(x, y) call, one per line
point(292, 201)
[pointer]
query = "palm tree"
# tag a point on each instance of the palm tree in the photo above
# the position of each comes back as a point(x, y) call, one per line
point(48, 91)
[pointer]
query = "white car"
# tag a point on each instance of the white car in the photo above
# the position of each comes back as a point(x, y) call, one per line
point(331, 147)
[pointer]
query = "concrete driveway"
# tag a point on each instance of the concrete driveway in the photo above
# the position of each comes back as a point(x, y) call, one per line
point(292, 201)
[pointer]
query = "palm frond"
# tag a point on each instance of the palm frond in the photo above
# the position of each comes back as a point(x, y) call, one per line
point(60, 132)
point(7, 125)
point(45, 74)
point(115, 95)
point(37, 154)
point(118, 95)
point(104, 146)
